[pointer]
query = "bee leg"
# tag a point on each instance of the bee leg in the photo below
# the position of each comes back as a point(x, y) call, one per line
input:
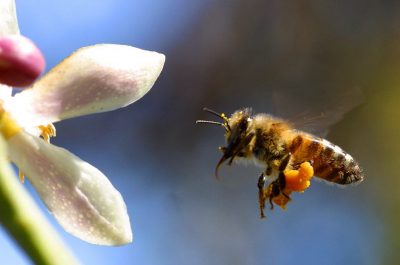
point(285, 162)
point(271, 205)
point(282, 184)
point(261, 194)
point(281, 177)
point(268, 171)
point(273, 191)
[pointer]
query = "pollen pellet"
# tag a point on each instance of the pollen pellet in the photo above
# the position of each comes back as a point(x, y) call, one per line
point(299, 180)
point(281, 200)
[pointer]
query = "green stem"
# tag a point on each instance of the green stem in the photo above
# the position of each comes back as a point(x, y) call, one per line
point(23, 220)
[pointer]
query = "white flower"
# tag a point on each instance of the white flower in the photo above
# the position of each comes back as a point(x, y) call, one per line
point(8, 18)
point(93, 79)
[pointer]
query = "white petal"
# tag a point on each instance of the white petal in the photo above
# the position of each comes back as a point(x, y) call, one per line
point(93, 79)
point(8, 18)
point(5, 92)
point(81, 198)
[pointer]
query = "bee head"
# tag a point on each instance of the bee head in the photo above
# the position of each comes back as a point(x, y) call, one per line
point(238, 123)
point(235, 133)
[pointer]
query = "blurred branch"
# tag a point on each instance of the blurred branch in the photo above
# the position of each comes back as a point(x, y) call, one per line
point(24, 221)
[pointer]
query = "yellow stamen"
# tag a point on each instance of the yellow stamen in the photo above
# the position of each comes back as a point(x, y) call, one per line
point(21, 176)
point(8, 126)
point(47, 131)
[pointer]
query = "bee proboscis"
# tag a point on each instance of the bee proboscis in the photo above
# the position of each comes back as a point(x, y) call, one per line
point(276, 146)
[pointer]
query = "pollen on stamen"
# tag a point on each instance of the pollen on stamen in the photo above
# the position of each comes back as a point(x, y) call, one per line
point(21, 176)
point(47, 131)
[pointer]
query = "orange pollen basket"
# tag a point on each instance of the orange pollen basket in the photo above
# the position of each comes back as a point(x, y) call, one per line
point(296, 180)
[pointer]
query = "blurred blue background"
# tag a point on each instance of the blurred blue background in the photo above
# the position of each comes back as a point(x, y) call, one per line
point(227, 55)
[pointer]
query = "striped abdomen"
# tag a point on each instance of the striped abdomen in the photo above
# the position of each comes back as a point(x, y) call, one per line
point(330, 162)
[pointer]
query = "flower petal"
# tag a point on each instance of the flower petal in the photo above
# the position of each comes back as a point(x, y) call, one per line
point(5, 92)
point(8, 18)
point(81, 198)
point(93, 79)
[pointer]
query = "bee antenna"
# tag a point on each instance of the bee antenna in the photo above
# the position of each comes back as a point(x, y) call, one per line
point(211, 122)
point(219, 115)
point(212, 112)
point(215, 123)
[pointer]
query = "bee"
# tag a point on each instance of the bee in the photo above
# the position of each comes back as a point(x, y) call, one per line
point(280, 150)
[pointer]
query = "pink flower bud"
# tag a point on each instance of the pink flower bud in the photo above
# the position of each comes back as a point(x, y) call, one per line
point(21, 62)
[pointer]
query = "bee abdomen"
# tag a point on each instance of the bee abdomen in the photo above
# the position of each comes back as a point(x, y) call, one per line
point(330, 162)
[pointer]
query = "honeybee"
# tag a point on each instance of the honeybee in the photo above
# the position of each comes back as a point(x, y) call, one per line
point(282, 151)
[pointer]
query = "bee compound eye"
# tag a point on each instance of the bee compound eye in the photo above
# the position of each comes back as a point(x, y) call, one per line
point(243, 124)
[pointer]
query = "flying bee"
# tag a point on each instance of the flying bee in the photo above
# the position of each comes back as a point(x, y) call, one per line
point(288, 156)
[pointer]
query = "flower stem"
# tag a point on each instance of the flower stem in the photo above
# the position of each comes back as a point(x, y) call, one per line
point(23, 220)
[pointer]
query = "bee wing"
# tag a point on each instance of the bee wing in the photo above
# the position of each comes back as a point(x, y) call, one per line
point(316, 111)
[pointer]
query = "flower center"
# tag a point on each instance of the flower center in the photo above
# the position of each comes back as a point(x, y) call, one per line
point(46, 131)
point(9, 128)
